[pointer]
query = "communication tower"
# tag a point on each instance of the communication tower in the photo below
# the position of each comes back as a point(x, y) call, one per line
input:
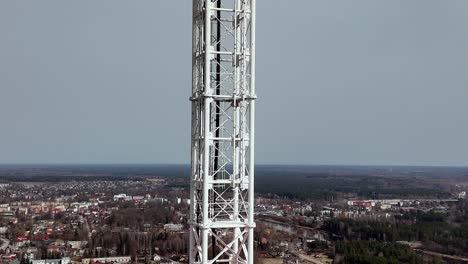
point(223, 129)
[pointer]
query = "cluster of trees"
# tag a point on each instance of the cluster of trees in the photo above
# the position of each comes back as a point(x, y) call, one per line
point(131, 231)
point(302, 185)
point(435, 230)
point(317, 246)
point(105, 244)
point(135, 218)
point(372, 252)
point(269, 239)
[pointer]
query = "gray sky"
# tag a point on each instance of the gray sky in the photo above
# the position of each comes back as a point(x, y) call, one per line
point(339, 82)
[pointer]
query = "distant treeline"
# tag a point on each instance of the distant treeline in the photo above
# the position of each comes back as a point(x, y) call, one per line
point(59, 178)
point(328, 186)
point(303, 182)
point(55, 173)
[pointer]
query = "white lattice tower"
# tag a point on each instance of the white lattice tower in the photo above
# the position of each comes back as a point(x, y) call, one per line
point(223, 119)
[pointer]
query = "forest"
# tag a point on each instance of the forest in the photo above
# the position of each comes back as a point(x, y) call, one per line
point(441, 232)
point(372, 252)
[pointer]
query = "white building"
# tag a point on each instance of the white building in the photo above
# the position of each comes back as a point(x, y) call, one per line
point(462, 195)
point(122, 197)
point(173, 227)
point(123, 259)
point(64, 260)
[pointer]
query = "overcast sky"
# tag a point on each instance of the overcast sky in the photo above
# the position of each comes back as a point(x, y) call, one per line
point(339, 82)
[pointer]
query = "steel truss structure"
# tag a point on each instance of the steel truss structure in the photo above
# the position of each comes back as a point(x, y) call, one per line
point(223, 128)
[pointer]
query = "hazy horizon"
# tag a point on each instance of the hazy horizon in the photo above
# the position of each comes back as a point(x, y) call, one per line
point(258, 164)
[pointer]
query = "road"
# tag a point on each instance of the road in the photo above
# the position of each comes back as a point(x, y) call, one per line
point(443, 256)
point(307, 258)
point(266, 219)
